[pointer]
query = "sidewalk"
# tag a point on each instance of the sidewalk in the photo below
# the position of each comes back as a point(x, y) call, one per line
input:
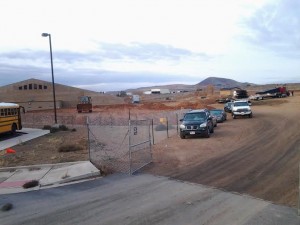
point(13, 178)
point(26, 135)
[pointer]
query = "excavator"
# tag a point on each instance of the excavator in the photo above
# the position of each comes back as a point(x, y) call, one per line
point(84, 104)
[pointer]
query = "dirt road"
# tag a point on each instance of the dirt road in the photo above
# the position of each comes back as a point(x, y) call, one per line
point(258, 156)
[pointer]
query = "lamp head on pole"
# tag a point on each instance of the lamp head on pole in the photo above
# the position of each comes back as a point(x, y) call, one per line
point(45, 34)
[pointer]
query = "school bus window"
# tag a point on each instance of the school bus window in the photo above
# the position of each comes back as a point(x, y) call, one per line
point(2, 112)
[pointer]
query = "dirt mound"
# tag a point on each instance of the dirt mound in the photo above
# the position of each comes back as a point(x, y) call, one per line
point(194, 105)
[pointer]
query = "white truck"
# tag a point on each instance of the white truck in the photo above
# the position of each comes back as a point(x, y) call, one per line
point(135, 99)
point(241, 108)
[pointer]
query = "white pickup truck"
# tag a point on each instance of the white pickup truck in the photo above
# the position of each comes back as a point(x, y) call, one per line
point(241, 108)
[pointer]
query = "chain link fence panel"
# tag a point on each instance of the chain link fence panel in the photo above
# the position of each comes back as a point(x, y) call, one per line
point(139, 144)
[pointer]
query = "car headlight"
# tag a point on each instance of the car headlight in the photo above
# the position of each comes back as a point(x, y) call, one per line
point(182, 126)
point(203, 125)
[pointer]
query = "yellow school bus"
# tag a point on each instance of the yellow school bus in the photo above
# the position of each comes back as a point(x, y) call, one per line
point(10, 117)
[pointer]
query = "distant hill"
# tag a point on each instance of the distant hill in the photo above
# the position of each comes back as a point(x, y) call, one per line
point(172, 87)
point(222, 82)
point(217, 82)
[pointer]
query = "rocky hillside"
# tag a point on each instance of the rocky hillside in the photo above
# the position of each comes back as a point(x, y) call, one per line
point(221, 83)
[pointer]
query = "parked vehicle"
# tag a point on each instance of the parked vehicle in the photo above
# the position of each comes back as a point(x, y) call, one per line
point(135, 99)
point(214, 120)
point(219, 114)
point(278, 92)
point(197, 122)
point(10, 117)
point(227, 107)
point(241, 108)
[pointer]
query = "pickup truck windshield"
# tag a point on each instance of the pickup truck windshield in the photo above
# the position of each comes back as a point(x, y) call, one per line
point(241, 104)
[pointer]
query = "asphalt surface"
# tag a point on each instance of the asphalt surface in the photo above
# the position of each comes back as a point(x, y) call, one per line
point(141, 199)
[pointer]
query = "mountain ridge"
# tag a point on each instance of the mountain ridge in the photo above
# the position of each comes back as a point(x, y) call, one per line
point(217, 82)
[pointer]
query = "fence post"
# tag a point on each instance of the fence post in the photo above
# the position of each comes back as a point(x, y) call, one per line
point(129, 146)
point(150, 142)
point(177, 122)
point(299, 193)
point(88, 130)
point(129, 114)
point(167, 121)
point(152, 132)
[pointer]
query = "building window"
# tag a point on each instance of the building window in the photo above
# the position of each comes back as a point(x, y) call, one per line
point(25, 87)
point(20, 88)
point(40, 87)
point(45, 87)
point(35, 86)
point(30, 86)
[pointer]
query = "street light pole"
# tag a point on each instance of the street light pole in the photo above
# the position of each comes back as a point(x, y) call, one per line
point(53, 84)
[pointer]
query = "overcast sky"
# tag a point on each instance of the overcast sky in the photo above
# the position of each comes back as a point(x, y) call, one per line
point(106, 45)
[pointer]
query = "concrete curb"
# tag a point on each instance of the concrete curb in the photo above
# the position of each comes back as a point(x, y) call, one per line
point(48, 175)
point(6, 169)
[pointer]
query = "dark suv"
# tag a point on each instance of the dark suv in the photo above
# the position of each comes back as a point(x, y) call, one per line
point(196, 122)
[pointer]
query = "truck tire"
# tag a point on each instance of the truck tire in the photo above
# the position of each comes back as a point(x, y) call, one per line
point(182, 136)
point(207, 135)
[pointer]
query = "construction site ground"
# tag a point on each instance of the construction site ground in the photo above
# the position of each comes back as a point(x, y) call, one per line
point(258, 156)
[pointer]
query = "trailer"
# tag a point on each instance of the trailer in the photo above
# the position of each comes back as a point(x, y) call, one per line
point(278, 92)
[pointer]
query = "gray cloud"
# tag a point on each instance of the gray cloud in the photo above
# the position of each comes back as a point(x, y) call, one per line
point(72, 68)
point(146, 52)
point(25, 64)
point(277, 27)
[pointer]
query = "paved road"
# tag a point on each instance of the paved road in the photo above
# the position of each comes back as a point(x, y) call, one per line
point(141, 199)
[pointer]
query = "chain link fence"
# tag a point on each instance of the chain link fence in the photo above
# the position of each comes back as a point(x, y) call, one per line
point(118, 148)
point(119, 142)
point(39, 120)
point(124, 144)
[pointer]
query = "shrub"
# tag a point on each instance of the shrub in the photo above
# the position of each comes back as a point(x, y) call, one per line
point(47, 127)
point(6, 207)
point(69, 148)
point(31, 184)
point(63, 127)
point(54, 129)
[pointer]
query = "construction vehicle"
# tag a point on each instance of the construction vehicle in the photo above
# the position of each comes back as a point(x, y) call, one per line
point(84, 104)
